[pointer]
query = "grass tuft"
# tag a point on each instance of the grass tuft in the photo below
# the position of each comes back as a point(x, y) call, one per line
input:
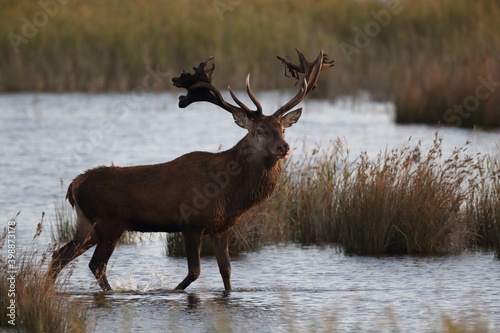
point(405, 202)
point(38, 305)
point(62, 228)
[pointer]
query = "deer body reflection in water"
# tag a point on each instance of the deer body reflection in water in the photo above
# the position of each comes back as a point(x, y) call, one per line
point(197, 194)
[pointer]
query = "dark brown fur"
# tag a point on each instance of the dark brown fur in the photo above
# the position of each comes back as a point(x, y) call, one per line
point(197, 194)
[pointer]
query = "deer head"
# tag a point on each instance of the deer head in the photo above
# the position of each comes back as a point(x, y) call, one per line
point(265, 133)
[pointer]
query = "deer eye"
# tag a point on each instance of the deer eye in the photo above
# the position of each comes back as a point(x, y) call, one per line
point(260, 132)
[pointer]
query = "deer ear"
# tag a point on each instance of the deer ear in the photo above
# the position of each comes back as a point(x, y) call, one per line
point(241, 119)
point(291, 118)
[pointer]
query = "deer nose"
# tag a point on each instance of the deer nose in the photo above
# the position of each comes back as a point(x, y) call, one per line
point(284, 149)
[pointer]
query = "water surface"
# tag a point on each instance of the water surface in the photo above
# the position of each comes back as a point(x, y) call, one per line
point(48, 138)
point(285, 288)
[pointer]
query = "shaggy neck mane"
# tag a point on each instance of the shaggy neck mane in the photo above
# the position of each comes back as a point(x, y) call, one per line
point(258, 178)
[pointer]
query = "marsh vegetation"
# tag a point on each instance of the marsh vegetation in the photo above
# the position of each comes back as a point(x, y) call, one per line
point(438, 60)
point(29, 302)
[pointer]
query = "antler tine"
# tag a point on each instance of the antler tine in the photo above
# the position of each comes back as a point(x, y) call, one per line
point(295, 100)
point(252, 96)
point(240, 103)
point(251, 114)
point(311, 71)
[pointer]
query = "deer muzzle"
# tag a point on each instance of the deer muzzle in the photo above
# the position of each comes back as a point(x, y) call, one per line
point(283, 150)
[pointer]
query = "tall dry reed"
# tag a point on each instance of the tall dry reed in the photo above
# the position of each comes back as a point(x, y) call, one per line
point(484, 206)
point(406, 201)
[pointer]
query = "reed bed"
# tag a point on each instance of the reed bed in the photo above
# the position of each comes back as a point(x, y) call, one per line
point(437, 59)
point(407, 202)
point(38, 307)
point(404, 201)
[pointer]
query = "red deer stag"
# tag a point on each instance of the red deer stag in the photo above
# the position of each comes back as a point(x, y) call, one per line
point(197, 194)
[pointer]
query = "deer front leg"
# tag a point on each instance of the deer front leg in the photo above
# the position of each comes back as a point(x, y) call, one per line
point(192, 245)
point(220, 243)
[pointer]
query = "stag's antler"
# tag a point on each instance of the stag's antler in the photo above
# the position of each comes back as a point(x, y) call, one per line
point(311, 71)
point(200, 88)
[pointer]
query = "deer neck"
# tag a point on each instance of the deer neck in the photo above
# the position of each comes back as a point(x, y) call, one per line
point(258, 175)
point(247, 155)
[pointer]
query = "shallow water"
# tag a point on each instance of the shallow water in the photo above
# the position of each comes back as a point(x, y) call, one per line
point(288, 287)
point(48, 137)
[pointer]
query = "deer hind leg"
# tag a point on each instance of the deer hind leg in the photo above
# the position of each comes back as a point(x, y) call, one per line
point(83, 240)
point(220, 244)
point(192, 245)
point(103, 251)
